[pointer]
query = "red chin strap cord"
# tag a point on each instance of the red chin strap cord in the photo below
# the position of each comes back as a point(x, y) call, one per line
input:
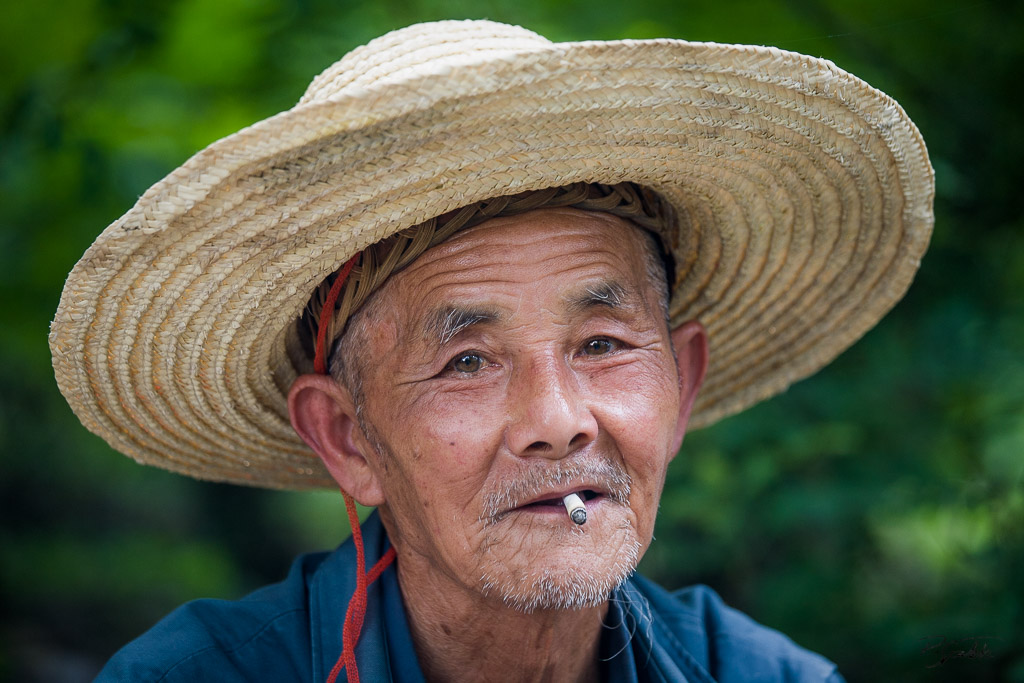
point(357, 605)
point(327, 313)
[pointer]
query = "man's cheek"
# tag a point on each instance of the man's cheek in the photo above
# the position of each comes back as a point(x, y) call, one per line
point(446, 495)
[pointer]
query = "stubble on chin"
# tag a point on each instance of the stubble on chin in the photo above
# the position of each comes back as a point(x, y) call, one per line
point(564, 588)
point(571, 587)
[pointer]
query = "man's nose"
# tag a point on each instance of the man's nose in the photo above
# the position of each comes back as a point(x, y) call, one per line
point(550, 416)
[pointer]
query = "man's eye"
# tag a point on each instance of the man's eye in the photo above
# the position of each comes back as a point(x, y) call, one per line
point(466, 362)
point(598, 347)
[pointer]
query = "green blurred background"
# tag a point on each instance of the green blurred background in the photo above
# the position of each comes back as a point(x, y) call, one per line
point(867, 512)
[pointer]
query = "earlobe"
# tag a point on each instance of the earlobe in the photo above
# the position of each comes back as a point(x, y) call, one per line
point(323, 414)
point(691, 345)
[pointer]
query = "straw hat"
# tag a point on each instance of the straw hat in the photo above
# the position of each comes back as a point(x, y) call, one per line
point(803, 198)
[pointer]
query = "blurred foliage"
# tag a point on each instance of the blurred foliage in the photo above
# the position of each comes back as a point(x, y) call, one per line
point(866, 512)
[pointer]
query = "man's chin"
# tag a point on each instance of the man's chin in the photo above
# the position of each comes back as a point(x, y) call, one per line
point(568, 585)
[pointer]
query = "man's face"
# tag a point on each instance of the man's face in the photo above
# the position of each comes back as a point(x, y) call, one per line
point(520, 361)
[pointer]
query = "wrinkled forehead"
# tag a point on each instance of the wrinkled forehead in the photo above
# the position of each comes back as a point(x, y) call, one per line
point(564, 260)
point(339, 296)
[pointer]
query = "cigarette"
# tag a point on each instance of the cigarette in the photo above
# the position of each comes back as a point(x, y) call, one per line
point(576, 509)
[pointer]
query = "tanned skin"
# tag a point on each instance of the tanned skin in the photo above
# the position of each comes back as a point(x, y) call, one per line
point(519, 361)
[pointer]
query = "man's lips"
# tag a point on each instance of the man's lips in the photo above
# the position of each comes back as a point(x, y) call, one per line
point(555, 500)
point(540, 489)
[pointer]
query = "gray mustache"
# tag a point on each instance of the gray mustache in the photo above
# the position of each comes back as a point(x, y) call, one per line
point(531, 482)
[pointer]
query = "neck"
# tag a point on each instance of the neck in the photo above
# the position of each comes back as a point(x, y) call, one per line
point(460, 635)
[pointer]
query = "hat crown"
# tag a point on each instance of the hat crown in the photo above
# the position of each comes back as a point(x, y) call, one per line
point(417, 50)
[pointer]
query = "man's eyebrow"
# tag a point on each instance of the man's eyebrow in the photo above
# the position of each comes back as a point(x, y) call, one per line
point(447, 322)
point(609, 294)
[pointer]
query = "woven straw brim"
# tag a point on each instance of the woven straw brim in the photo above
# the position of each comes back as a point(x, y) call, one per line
point(804, 198)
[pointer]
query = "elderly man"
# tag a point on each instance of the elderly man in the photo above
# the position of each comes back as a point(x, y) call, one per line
point(482, 277)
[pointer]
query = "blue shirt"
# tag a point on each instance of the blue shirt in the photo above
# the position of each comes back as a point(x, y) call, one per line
point(291, 631)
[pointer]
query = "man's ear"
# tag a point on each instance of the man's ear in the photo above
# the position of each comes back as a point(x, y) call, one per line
point(691, 344)
point(324, 415)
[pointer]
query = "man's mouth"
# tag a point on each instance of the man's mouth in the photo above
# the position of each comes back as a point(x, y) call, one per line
point(555, 501)
point(582, 487)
